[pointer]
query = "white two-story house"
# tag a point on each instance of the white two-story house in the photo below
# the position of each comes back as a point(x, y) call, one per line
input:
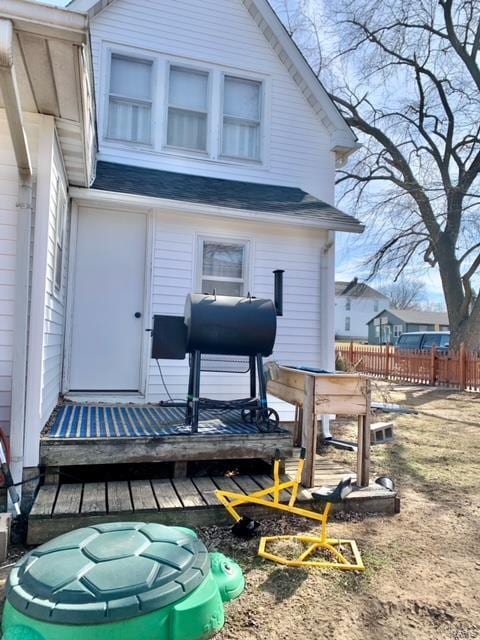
point(356, 303)
point(214, 165)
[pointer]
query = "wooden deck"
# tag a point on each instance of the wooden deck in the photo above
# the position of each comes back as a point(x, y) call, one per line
point(181, 501)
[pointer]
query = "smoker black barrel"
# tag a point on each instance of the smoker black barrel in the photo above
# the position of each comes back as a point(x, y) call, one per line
point(226, 325)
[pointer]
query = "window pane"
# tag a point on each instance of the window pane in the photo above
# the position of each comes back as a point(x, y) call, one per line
point(241, 98)
point(188, 89)
point(131, 78)
point(225, 260)
point(240, 140)
point(223, 288)
point(187, 129)
point(129, 121)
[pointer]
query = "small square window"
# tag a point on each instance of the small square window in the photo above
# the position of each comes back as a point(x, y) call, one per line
point(223, 267)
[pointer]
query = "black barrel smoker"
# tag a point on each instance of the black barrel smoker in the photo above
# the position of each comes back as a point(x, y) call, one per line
point(219, 333)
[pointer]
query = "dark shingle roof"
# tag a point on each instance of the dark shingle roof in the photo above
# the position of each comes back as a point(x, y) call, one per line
point(355, 289)
point(233, 194)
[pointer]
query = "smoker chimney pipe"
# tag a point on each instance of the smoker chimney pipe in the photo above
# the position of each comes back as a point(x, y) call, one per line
point(278, 289)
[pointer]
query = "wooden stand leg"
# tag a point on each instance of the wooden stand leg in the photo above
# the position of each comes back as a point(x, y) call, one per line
point(297, 429)
point(52, 475)
point(180, 469)
point(309, 432)
point(363, 452)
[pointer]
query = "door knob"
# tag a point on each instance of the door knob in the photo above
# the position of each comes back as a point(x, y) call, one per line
point(138, 314)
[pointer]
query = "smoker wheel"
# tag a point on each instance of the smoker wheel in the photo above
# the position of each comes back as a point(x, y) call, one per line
point(267, 420)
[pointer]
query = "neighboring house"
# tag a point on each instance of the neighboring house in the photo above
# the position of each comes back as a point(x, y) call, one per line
point(217, 150)
point(355, 303)
point(388, 325)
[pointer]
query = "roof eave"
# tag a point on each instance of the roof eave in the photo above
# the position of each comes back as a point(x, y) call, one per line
point(149, 202)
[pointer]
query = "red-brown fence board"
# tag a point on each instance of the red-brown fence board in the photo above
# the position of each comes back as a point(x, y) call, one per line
point(459, 370)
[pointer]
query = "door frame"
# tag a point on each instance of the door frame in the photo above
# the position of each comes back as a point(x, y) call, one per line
point(147, 302)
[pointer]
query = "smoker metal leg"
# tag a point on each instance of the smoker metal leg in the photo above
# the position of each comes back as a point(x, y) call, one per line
point(253, 378)
point(262, 385)
point(188, 410)
point(197, 359)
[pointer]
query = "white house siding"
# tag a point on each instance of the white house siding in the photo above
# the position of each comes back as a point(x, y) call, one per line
point(54, 316)
point(223, 34)
point(8, 224)
point(362, 310)
point(297, 251)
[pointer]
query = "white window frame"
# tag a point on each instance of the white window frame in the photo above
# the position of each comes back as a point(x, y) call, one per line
point(348, 323)
point(136, 56)
point(247, 267)
point(397, 330)
point(348, 304)
point(261, 122)
point(196, 69)
point(60, 234)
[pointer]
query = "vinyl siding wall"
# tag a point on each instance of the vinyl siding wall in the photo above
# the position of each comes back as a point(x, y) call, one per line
point(221, 34)
point(174, 259)
point(8, 230)
point(54, 316)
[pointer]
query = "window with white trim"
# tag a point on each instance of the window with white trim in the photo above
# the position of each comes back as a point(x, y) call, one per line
point(348, 304)
point(242, 109)
point(397, 330)
point(223, 267)
point(130, 99)
point(187, 109)
point(60, 224)
point(347, 323)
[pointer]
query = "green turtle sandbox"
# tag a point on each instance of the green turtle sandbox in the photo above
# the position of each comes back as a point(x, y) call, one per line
point(120, 581)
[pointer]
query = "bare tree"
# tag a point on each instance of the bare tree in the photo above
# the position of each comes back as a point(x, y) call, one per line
point(407, 79)
point(406, 293)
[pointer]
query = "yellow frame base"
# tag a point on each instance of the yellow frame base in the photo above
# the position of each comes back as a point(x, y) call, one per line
point(314, 544)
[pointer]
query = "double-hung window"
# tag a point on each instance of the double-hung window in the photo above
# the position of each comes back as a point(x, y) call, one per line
point(242, 108)
point(130, 99)
point(223, 267)
point(60, 223)
point(187, 109)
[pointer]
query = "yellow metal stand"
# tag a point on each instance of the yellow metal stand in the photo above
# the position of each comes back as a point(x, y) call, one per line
point(270, 498)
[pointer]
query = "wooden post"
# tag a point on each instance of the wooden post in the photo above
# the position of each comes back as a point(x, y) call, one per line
point(462, 367)
point(363, 451)
point(309, 432)
point(387, 359)
point(351, 354)
point(433, 361)
point(297, 429)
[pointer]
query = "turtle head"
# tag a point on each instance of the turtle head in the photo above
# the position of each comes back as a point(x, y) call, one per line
point(20, 632)
point(227, 575)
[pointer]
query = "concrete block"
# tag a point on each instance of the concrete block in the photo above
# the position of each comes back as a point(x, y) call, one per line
point(5, 524)
point(381, 432)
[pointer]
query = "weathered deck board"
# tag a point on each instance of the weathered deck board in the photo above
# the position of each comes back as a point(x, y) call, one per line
point(266, 482)
point(119, 498)
point(166, 495)
point(247, 484)
point(143, 497)
point(206, 488)
point(225, 483)
point(188, 492)
point(69, 499)
point(45, 500)
point(94, 498)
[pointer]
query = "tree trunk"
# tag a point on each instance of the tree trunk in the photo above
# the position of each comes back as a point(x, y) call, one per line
point(468, 331)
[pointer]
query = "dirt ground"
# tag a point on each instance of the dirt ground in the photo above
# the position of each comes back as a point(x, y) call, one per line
point(423, 566)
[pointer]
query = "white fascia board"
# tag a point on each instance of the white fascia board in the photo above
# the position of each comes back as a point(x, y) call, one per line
point(95, 196)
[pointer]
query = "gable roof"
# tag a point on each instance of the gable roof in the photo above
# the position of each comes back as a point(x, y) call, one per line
point(344, 141)
point(230, 194)
point(356, 289)
point(415, 316)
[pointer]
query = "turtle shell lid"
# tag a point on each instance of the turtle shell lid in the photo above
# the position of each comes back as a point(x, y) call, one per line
point(109, 572)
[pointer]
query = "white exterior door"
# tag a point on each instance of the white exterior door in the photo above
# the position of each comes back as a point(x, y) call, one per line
point(108, 301)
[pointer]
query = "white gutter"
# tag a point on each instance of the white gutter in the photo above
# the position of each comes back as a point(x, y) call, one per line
point(179, 206)
point(42, 19)
point(9, 89)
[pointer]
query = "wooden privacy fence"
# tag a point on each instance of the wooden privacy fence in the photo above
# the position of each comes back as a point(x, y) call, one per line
point(459, 370)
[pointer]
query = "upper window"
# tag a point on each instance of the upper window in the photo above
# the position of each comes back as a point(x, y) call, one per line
point(241, 118)
point(348, 304)
point(375, 305)
point(130, 99)
point(60, 221)
point(347, 323)
point(187, 109)
point(223, 267)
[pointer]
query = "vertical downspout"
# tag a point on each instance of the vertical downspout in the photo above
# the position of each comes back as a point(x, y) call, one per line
point(9, 87)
